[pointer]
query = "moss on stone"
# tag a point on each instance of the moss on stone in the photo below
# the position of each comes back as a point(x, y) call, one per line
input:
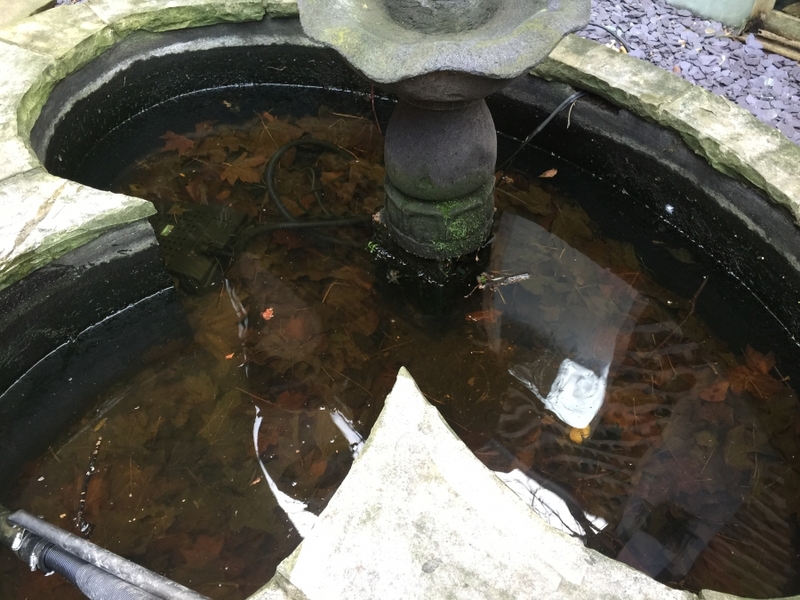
point(127, 16)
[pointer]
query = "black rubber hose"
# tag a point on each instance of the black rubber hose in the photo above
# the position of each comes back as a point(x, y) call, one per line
point(138, 576)
point(572, 98)
point(612, 33)
point(93, 582)
point(269, 176)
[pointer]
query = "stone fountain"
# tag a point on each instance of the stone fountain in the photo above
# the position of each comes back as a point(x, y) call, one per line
point(563, 570)
point(441, 58)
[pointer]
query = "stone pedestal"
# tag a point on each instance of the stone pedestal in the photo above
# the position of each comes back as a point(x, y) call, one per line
point(440, 178)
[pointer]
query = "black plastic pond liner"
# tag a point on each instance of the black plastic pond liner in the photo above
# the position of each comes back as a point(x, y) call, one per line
point(70, 329)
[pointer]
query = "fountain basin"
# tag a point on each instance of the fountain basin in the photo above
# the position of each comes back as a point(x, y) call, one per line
point(703, 201)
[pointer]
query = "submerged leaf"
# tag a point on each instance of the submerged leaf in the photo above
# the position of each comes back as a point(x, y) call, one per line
point(177, 142)
point(244, 169)
point(716, 392)
point(761, 363)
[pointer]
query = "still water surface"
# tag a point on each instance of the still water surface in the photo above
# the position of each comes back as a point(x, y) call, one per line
point(618, 414)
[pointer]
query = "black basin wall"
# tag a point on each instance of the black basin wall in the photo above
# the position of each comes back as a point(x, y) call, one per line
point(669, 197)
point(71, 328)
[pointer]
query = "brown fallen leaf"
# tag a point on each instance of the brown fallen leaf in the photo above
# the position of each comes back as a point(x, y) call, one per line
point(716, 392)
point(244, 169)
point(761, 363)
point(291, 400)
point(176, 142)
point(762, 386)
point(549, 173)
point(317, 468)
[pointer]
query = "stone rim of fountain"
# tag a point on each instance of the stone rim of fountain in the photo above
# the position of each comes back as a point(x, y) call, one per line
point(390, 48)
point(79, 33)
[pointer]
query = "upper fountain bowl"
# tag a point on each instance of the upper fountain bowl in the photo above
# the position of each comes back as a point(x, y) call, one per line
point(442, 51)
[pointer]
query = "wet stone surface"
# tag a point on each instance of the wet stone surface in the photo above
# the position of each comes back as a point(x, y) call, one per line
point(700, 51)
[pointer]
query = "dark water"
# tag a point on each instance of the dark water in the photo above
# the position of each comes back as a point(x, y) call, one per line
point(630, 423)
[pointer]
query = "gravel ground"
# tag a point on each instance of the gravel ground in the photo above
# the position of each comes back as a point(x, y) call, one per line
point(700, 51)
point(766, 84)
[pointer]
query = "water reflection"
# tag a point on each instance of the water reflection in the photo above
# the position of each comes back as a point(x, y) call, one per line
point(622, 411)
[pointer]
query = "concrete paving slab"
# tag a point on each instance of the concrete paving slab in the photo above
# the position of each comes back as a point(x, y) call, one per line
point(729, 137)
point(46, 217)
point(127, 16)
point(418, 516)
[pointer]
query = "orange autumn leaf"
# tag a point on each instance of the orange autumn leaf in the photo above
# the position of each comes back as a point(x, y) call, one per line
point(761, 363)
point(549, 173)
point(716, 392)
point(762, 386)
point(490, 315)
point(329, 176)
point(317, 468)
point(176, 142)
point(244, 169)
point(738, 378)
point(268, 314)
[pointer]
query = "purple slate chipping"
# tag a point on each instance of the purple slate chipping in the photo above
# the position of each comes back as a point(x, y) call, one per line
point(706, 57)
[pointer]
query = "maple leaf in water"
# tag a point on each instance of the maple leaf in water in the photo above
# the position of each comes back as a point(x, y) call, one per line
point(176, 142)
point(244, 169)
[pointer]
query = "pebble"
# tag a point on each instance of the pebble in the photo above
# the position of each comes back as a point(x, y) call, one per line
point(698, 49)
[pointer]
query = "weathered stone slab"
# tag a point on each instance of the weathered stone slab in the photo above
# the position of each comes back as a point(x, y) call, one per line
point(20, 9)
point(21, 84)
point(72, 35)
point(45, 216)
point(729, 137)
point(281, 8)
point(127, 16)
point(418, 516)
point(735, 142)
point(18, 156)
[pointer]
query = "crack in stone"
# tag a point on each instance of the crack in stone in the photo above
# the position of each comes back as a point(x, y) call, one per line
point(41, 214)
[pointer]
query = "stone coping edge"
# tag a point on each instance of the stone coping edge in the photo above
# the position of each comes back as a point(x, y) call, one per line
point(47, 217)
point(728, 136)
point(44, 216)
